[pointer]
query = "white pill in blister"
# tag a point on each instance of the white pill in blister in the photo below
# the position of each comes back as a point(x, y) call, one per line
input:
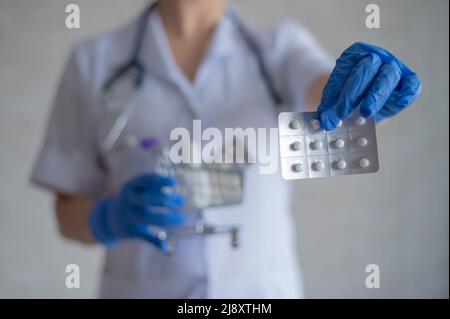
point(360, 121)
point(315, 124)
point(339, 143)
point(296, 146)
point(316, 145)
point(339, 123)
point(364, 162)
point(318, 166)
point(294, 124)
point(341, 164)
point(361, 141)
point(297, 167)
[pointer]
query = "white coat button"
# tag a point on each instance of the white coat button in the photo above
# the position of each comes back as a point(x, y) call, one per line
point(132, 140)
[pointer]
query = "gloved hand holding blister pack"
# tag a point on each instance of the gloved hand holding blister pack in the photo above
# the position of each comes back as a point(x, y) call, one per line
point(367, 85)
point(371, 79)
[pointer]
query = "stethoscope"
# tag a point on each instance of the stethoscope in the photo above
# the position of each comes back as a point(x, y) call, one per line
point(136, 69)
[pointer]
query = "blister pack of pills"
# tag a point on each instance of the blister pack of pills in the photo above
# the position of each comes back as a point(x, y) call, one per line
point(308, 151)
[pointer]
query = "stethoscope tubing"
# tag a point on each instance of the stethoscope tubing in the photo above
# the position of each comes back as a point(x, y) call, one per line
point(120, 123)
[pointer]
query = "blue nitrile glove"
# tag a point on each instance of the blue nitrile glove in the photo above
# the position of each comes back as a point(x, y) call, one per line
point(141, 203)
point(371, 78)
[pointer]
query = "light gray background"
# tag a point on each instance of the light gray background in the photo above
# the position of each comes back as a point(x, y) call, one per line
point(397, 218)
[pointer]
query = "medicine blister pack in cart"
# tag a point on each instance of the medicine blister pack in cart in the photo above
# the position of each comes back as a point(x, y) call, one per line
point(308, 151)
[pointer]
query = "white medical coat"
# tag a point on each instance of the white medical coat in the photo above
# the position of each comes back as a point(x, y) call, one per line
point(228, 91)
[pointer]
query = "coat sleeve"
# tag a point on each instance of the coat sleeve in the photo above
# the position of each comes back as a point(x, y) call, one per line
point(68, 160)
point(295, 59)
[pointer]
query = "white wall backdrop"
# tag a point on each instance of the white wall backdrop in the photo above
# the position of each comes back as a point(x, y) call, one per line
point(397, 218)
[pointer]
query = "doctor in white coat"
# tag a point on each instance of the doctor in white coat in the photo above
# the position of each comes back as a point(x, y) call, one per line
point(193, 59)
